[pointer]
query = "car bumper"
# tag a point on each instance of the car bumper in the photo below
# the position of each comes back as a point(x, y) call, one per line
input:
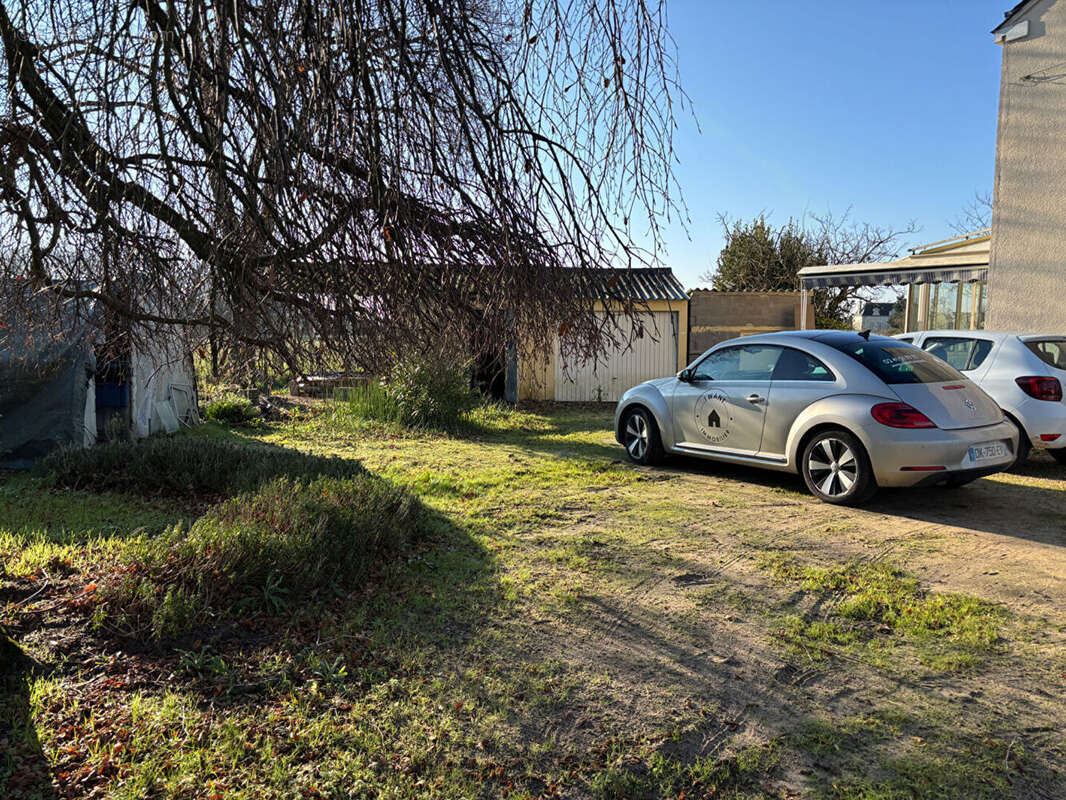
point(908, 457)
point(1043, 418)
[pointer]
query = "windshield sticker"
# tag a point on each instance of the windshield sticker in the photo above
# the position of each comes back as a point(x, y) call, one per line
point(895, 357)
point(713, 420)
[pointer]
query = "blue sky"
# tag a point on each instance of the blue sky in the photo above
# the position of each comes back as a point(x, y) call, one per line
point(886, 108)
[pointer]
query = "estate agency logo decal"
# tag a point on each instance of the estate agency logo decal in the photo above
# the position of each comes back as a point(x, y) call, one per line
point(712, 416)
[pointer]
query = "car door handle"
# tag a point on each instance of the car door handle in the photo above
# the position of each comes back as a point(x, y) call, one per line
point(755, 398)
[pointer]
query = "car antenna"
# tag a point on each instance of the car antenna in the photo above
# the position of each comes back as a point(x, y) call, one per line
point(865, 335)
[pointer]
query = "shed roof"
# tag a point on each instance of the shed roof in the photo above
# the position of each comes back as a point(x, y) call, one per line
point(640, 284)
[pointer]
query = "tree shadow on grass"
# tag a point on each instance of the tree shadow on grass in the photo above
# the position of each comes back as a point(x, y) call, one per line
point(536, 421)
point(433, 596)
point(24, 768)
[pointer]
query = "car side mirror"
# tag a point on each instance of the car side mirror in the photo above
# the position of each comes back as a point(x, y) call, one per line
point(685, 376)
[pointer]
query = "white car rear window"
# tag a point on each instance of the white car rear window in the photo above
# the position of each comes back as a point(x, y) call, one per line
point(1051, 351)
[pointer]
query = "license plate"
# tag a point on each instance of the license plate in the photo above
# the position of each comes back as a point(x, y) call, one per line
point(987, 451)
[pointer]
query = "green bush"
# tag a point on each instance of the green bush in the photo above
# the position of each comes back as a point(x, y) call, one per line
point(418, 392)
point(185, 464)
point(287, 540)
point(430, 392)
point(370, 401)
point(231, 409)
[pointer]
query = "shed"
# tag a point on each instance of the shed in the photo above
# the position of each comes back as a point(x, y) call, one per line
point(655, 337)
point(54, 392)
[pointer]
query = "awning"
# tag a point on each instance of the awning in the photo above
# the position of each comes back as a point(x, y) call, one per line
point(891, 275)
point(963, 259)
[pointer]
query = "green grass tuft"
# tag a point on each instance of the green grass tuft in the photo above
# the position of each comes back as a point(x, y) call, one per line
point(663, 775)
point(186, 464)
point(262, 550)
point(231, 409)
point(952, 630)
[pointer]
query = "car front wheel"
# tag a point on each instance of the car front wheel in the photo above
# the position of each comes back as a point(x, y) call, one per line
point(836, 468)
point(640, 436)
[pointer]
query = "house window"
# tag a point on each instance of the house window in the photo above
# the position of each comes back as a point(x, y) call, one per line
point(947, 306)
point(943, 306)
point(964, 317)
point(914, 306)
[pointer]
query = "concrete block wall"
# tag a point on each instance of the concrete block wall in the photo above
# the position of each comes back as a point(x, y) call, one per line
point(717, 316)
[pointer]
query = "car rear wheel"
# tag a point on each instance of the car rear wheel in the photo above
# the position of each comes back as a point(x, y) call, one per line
point(640, 436)
point(1022, 454)
point(837, 469)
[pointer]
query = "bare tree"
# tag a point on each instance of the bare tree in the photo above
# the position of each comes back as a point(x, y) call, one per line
point(842, 240)
point(335, 179)
point(976, 216)
point(761, 257)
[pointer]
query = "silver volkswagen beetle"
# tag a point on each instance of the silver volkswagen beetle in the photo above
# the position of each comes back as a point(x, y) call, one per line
point(849, 412)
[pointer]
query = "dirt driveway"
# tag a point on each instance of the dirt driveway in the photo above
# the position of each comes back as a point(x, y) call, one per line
point(697, 597)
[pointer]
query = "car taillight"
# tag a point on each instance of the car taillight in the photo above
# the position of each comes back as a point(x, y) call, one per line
point(900, 415)
point(1041, 387)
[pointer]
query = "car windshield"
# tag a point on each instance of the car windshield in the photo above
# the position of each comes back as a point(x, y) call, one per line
point(896, 362)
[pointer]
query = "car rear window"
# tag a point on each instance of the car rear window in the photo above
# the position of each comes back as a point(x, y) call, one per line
point(897, 362)
point(962, 353)
point(1051, 351)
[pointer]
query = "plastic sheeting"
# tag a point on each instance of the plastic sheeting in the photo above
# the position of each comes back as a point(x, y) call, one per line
point(47, 391)
point(162, 374)
point(48, 384)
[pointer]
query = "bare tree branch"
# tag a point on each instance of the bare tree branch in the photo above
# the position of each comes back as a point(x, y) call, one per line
point(340, 179)
point(975, 216)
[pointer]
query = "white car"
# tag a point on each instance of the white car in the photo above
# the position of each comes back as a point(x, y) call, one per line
point(1022, 372)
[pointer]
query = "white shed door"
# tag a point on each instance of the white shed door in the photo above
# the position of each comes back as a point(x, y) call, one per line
point(650, 354)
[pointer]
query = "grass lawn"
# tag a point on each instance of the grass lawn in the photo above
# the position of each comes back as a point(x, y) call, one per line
point(572, 626)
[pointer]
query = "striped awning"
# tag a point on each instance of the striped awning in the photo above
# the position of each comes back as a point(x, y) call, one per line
point(893, 276)
point(962, 259)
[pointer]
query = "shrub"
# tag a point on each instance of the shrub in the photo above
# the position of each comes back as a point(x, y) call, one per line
point(231, 409)
point(185, 464)
point(289, 538)
point(370, 401)
point(430, 392)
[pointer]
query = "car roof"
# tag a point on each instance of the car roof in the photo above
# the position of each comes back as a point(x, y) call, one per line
point(839, 337)
point(830, 337)
point(997, 335)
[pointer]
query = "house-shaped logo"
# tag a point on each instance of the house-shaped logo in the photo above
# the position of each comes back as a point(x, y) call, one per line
point(712, 416)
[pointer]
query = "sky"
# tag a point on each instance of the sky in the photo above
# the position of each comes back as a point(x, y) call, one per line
point(885, 108)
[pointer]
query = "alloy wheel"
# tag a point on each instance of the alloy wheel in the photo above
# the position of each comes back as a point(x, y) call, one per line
point(636, 436)
point(833, 467)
